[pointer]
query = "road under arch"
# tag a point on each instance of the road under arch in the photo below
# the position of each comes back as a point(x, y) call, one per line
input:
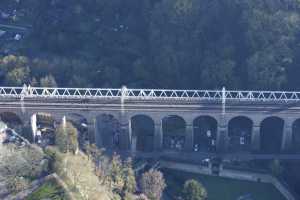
point(239, 134)
point(142, 133)
point(174, 128)
point(205, 134)
point(108, 130)
point(271, 132)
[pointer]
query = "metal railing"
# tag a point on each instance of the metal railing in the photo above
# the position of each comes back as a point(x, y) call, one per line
point(147, 94)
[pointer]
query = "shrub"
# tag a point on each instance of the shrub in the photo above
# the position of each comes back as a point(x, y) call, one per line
point(193, 190)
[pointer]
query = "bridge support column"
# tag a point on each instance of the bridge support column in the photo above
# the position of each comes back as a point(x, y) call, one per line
point(93, 132)
point(189, 138)
point(222, 136)
point(158, 135)
point(255, 138)
point(33, 124)
point(287, 137)
point(125, 133)
point(95, 135)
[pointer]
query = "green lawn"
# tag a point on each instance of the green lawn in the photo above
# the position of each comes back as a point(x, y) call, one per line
point(49, 190)
point(221, 188)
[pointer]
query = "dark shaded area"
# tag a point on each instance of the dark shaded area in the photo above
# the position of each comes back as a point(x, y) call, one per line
point(108, 130)
point(271, 132)
point(292, 176)
point(11, 119)
point(174, 128)
point(239, 133)
point(205, 134)
point(296, 136)
point(142, 133)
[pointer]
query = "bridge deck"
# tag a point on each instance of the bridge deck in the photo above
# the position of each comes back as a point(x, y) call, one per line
point(149, 94)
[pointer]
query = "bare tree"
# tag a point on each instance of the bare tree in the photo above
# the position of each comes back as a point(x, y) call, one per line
point(153, 184)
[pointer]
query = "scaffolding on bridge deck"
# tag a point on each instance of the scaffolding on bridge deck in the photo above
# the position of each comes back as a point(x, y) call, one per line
point(148, 94)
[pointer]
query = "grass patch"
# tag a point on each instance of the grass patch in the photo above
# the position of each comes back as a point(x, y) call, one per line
point(220, 188)
point(49, 190)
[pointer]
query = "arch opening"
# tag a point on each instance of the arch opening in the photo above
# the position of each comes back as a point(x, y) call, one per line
point(142, 133)
point(80, 123)
point(205, 134)
point(108, 131)
point(43, 128)
point(174, 128)
point(296, 136)
point(239, 134)
point(11, 119)
point(271, 132)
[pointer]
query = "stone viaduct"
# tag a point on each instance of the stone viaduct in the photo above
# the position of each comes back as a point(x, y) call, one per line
point(224, 119)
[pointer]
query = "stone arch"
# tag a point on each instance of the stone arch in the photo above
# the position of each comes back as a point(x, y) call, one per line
point(12, 120)
point(174, 129)
point(296, 135)
point(43, 128)
point(107, 131)
point(143, 128)
point(205, 133)
point(239, 133)
point(271, 133)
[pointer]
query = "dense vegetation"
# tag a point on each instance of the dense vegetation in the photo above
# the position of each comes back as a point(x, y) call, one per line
point(49, 190)
point(155, 43)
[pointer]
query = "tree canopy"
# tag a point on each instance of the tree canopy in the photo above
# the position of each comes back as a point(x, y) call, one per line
point(193, 190)
point(158, 44)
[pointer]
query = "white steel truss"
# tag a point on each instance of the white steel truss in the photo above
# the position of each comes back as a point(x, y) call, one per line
point(147, 94)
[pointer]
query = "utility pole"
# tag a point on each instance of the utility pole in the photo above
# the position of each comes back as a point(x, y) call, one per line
point(223, 101)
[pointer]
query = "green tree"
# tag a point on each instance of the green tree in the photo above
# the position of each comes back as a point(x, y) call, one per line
point(16, 68)
point(129, 177)
point(18, 76)
point(128, 196)
point(116, 173)
point(193, 190)
point(48, 81)
point(66, 138)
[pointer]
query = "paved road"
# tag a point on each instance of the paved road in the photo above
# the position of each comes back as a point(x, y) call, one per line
point(198, 156)
point(20, 28)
